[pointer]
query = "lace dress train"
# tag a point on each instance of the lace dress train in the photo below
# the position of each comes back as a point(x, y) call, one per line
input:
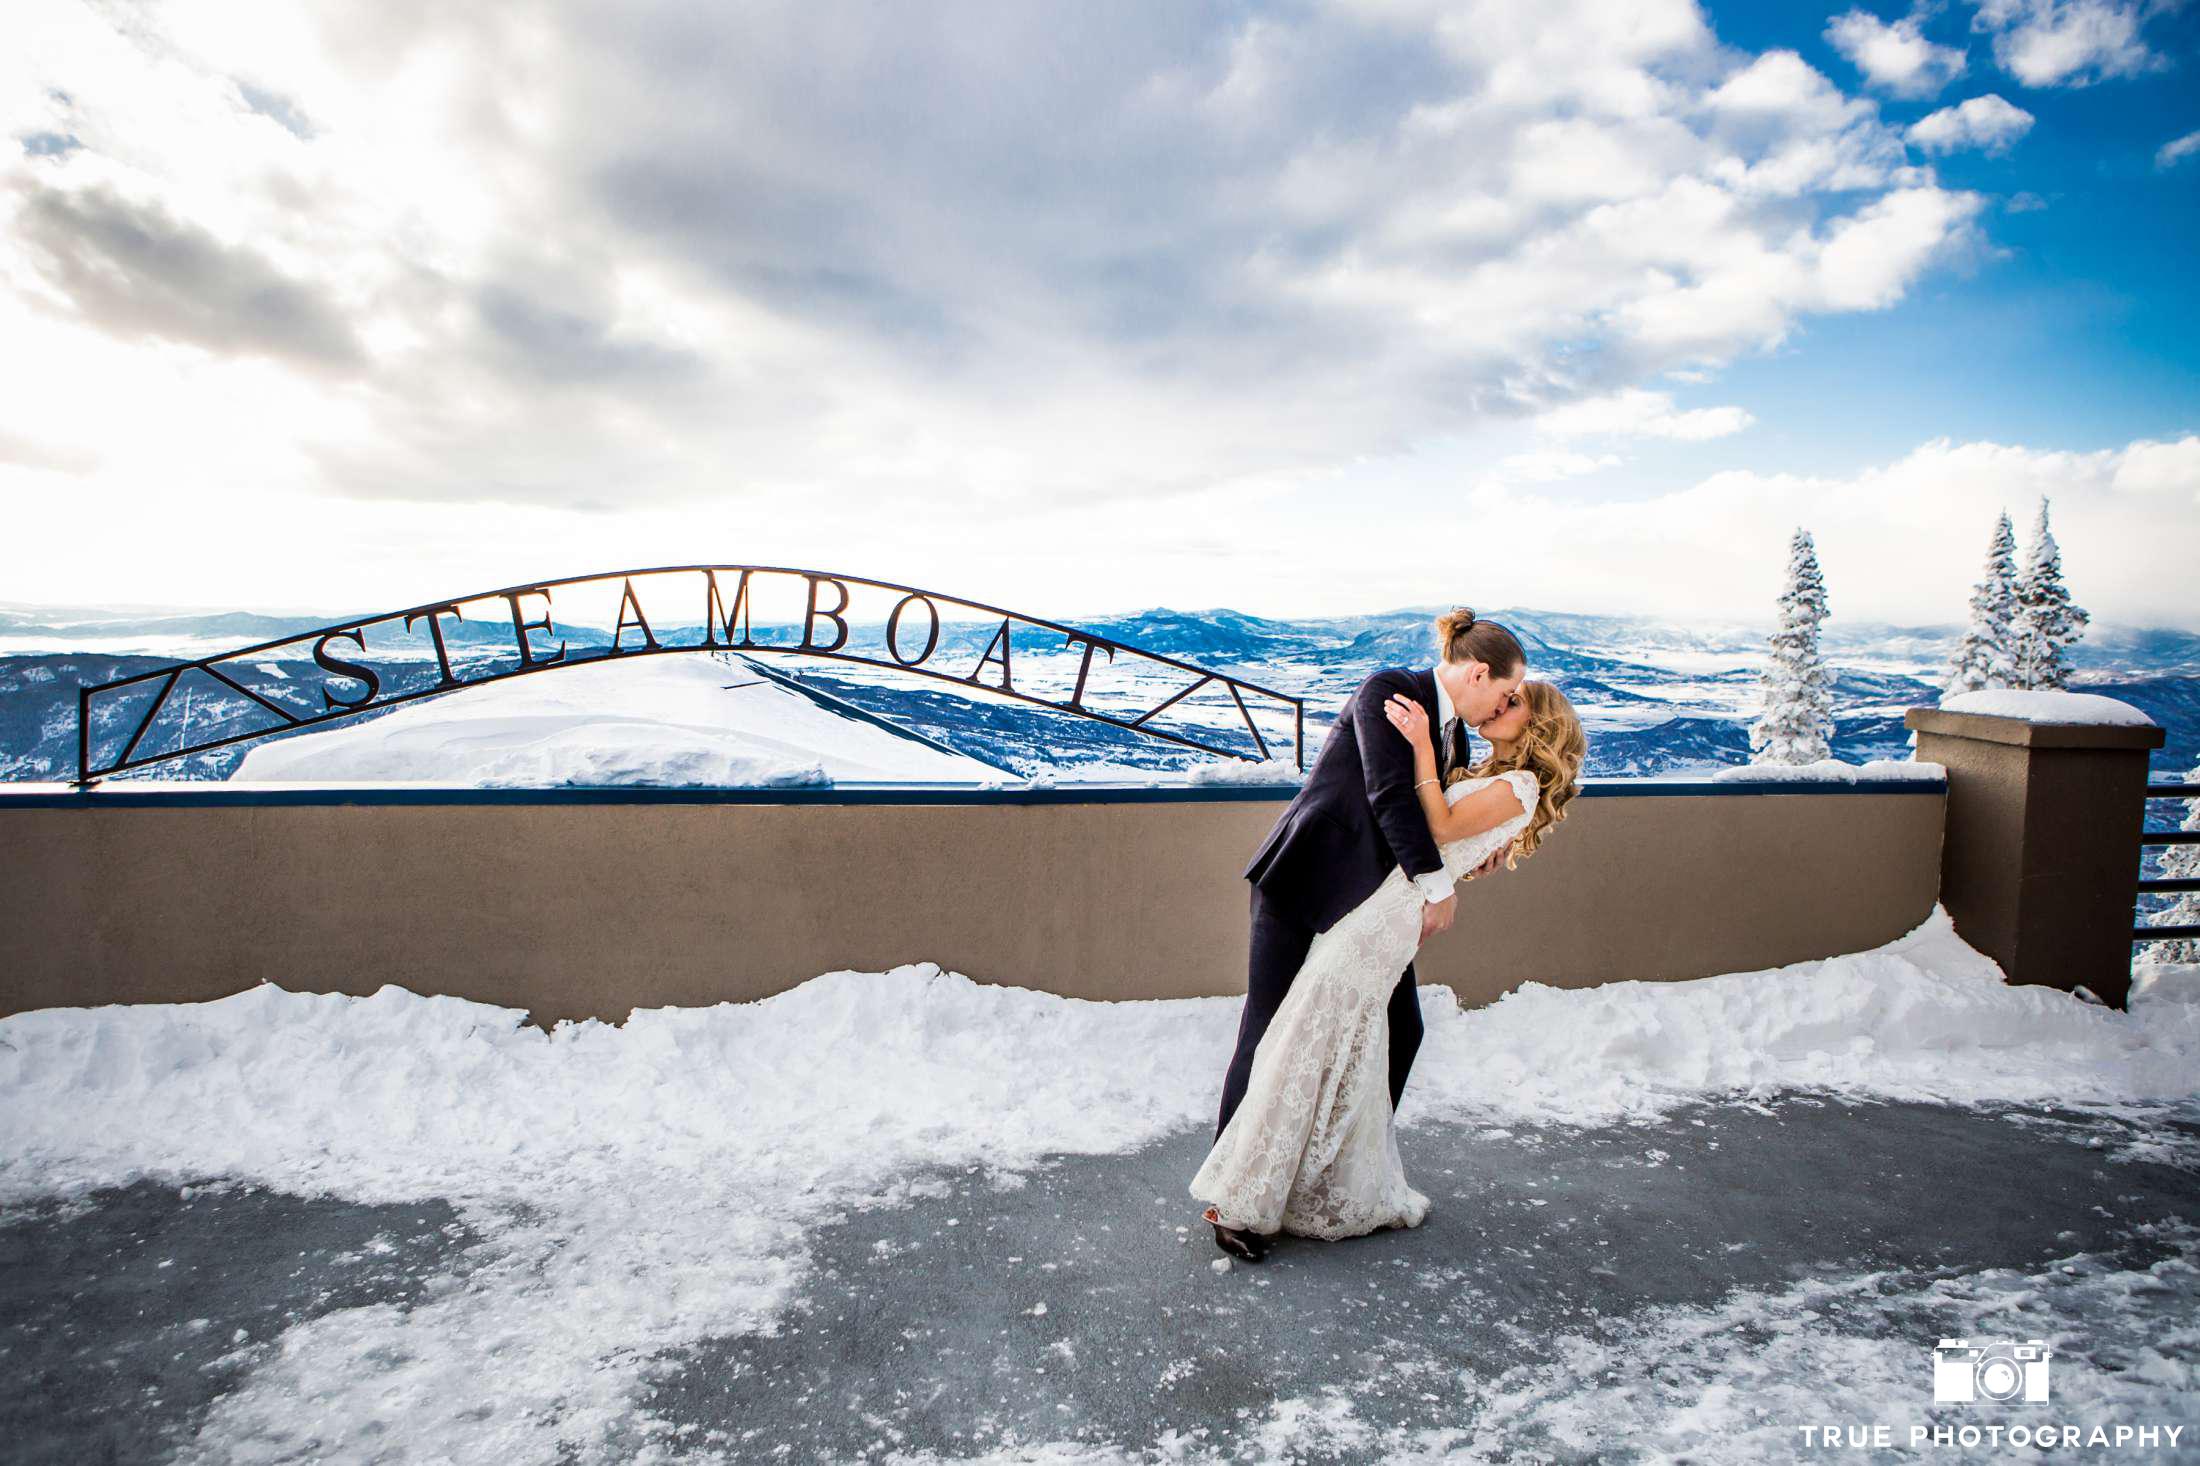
point(1312, 1148)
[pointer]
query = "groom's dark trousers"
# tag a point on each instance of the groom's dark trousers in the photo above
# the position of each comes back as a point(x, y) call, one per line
point(1356, 816)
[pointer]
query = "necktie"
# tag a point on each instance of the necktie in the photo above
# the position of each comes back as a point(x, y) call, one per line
point(1443, 753)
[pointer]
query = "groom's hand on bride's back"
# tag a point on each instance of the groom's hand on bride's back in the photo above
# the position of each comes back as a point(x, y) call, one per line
point(1436, 916)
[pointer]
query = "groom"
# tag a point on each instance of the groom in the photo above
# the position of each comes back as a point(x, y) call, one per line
point(1358, 815)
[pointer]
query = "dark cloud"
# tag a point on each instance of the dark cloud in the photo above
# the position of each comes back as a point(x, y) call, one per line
point(133, 269)
point(933, 178)
point(552, 345)
point(803, 251)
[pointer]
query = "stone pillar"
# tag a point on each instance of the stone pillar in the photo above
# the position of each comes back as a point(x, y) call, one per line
point(2040, 861)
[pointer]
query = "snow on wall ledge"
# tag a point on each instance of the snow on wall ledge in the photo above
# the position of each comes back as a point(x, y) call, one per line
point(2048, 707)
point(1834, 771)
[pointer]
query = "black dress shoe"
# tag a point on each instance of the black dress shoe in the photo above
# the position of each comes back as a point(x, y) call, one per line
point(1245, 1246)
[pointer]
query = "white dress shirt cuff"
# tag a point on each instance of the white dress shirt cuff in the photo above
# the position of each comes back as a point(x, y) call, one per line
point(1434, 884)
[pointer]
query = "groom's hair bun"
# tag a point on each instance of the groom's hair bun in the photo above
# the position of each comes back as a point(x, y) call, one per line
point(1463, 637)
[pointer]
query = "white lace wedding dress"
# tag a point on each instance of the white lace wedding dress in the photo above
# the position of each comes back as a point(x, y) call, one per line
point(1311, 1148)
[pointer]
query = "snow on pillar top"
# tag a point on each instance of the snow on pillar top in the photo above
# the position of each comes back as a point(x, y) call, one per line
point(2039, 720)
point(2048, 707)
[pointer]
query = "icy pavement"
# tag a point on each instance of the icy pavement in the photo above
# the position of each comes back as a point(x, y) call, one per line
point(1699, 1285)
point(126, 1314)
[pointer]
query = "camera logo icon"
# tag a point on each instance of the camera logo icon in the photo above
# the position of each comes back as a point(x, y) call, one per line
point(2003, 1371)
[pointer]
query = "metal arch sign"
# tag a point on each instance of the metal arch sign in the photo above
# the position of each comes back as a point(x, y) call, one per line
point(911, 644)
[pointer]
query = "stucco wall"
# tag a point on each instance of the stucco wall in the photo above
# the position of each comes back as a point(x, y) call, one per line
point(572, 907)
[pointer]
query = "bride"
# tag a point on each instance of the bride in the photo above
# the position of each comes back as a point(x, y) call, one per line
point(1311, 1149)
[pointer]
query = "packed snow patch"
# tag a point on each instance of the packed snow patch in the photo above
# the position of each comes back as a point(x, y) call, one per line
point(1728, 1384)
point(1834, 771)
point(2048, 707)
point(646, 1186)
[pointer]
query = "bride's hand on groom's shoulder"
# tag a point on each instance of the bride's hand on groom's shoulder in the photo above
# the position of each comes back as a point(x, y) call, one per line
point(1408, 717)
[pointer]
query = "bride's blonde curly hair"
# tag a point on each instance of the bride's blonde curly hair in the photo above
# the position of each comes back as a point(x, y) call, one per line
point(1551, 748)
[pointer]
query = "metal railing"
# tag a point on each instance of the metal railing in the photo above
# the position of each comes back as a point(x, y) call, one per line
point(1134, 714)
point(2140, 932)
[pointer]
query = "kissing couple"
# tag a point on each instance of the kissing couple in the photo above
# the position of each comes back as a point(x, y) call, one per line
point(1357, 873)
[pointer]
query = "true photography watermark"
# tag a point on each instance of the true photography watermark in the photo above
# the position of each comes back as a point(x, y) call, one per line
point(1995, 1375)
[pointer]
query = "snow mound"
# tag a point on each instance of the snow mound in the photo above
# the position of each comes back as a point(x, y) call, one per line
point(1834, 771)
point(1926, 1017)
point(701, 720)
point(2048, 707)
point(852, 1073)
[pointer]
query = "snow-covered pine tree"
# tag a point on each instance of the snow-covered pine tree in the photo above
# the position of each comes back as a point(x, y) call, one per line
point(1984, 659)
point(2180, 860)
point(1797, 723)
point(2047, 619)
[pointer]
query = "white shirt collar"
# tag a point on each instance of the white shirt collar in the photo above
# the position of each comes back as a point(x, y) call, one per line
point(1444, 710)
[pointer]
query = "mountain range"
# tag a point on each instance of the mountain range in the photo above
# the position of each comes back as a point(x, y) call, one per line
point(1659, 697)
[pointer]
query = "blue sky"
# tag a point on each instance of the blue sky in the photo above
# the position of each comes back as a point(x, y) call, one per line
point(2081, 327)
point(1306, 308)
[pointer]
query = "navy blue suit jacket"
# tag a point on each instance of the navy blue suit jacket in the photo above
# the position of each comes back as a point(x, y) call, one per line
point(1357, 814)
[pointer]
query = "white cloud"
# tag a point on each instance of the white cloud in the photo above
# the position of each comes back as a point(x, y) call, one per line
point(1894, 55)
point(1640, 413)
point(1782, 84)
point(558, 293)
point(1901, 541)
point(1987, 123)
point(698, 258)
point(1870, 258)
point(2045, 43)
point(2176, 150)
point(1864, 261)
point(1542, 465)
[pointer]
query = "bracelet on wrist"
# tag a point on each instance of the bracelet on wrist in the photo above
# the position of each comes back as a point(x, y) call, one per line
point(1424, 781)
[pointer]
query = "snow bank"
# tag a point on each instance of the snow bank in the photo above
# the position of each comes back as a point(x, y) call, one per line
point(648, 1185)
point(1834, 771)
point(2048, 707)
point(1926, 1017)
point(2165, 982)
